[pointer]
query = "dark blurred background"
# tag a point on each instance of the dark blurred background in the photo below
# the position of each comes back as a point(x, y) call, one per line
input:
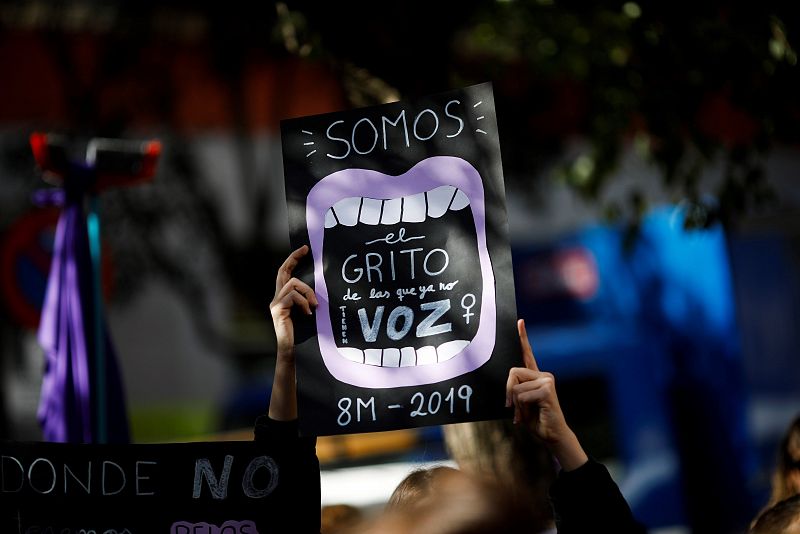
point(650, 152)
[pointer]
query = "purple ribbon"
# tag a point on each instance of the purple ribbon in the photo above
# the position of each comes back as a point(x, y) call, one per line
point(68, 404)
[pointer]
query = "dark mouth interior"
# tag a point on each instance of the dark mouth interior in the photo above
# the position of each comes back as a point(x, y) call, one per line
point(387, 321)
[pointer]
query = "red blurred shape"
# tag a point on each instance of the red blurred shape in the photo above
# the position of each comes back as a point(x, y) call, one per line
point(569, 272)
point(115, 162)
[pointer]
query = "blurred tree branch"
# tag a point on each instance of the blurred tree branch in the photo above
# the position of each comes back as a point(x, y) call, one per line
point(688, 84)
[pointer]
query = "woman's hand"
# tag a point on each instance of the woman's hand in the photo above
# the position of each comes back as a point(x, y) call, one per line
point(533, 395)
point(290, 291)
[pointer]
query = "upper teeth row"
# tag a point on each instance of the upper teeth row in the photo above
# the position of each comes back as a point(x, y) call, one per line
point(412, 208)
point(406, 356)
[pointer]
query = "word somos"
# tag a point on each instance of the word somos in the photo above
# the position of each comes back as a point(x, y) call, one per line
point(365, 135)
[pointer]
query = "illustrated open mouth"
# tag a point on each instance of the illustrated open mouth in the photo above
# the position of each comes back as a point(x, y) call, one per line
point(402, 273)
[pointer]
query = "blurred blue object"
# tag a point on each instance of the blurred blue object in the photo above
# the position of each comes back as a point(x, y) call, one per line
point(766, 267)
point(655, 323)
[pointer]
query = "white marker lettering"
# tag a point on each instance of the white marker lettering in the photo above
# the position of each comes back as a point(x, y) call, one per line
point(86, 487)
point(439, 308)
point(30, 475)
point(374, 141)
point(460, 122)
point(141, 477)
point(358, 270)
point(435, 127)
point(107, 463)
point(370, 331)
point(328, 134)
point(385, 120)
point(249, 487)
point(203, 469)
point(391, 324)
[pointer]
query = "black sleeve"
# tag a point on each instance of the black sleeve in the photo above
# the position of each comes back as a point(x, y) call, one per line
point(299, 476)
point(588, 500)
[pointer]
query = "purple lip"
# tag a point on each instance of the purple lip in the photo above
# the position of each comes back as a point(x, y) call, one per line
point(426, 175)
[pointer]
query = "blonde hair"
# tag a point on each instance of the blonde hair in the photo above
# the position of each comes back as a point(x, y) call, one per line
point(416, 487)
point(510, 455)
point(451, 502)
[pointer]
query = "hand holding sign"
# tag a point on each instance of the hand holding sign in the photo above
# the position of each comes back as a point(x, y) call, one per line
point(290, 291)
point(533, 394)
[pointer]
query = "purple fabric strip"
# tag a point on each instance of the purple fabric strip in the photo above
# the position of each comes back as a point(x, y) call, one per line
point(50, 332)
point(65, 403)
point(75, 292)
point(66, 409)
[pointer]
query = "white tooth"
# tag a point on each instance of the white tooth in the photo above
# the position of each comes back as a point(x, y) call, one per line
point(391, 211)
point(461, 201)
point(426, 355)
point(354, 355)
point(372, 357)
point(450, 349)
point(408, 357)
point(371, 211)
point(391, 357)
point(439, 199)
point(347, 210)
point(330, 220)
point(414, 208)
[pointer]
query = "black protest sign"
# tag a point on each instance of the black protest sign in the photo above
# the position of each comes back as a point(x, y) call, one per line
point(403, 207)
point(186, 488)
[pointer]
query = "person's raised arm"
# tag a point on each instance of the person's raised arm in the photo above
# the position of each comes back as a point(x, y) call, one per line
point(584, 497)
point(289, 292)
point(278, 430)
point(533, 395)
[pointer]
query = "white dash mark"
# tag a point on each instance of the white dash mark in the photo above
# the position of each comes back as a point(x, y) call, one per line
point(478, 104)
point(315, 151)
point(394, 406)
point(306, 132)
point(480, 118)
point(309, 143)
point(481, 131)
